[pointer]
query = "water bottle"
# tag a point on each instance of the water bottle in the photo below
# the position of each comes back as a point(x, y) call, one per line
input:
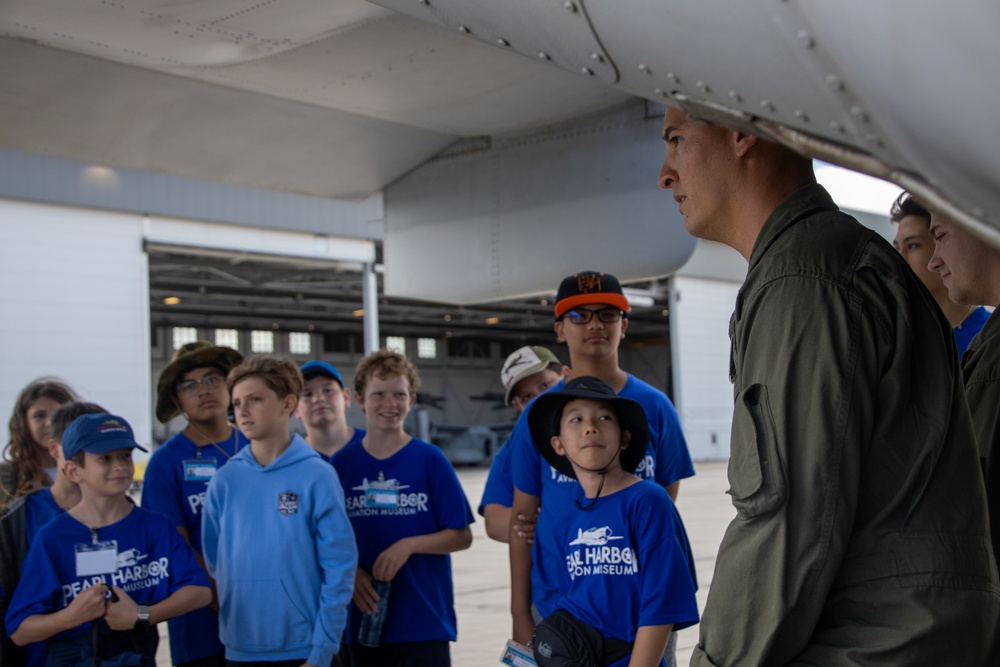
point(370, 633)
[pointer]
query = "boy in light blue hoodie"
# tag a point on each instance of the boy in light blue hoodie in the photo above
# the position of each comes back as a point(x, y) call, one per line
point(275, 533)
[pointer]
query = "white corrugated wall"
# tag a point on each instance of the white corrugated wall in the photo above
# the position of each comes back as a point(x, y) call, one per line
point(699, 333)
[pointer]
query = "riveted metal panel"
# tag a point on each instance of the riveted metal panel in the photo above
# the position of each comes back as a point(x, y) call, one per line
point(553, 31)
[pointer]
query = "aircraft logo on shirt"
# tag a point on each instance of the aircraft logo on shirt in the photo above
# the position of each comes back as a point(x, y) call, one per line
point(130, 557)
point(594, 537)
point(383, 497)
point(380, 483)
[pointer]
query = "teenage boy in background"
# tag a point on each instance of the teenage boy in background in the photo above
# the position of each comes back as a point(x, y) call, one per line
point(193, 384)
point(275, 534)
point(527, 372)
point(409, 512)
point(21, 521)
point(591, 317)
point(105, 561)
point(321, 408)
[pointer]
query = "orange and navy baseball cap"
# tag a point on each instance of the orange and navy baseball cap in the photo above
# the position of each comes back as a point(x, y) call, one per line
point(589, 287)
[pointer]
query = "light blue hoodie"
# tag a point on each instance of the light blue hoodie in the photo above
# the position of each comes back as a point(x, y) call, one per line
point(278, 543)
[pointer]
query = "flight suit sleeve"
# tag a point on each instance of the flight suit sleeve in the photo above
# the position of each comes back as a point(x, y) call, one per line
point(804, 371)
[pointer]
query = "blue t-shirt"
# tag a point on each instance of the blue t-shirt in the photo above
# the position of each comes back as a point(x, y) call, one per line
point(413, 492)
point(970, 326)
point(359, 433)
point(667, 460)
point(176, 480)
point(153, 563)
point(624, 564)
point(499, 488)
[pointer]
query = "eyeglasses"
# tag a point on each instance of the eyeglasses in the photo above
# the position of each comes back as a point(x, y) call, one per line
point(582, 315)
point(211, 381)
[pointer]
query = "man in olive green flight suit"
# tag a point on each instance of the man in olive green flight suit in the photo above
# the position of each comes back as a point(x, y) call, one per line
point(861, 533)
point(970, 269)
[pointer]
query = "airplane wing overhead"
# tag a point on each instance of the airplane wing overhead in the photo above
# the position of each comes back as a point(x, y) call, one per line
point(902, 90)
point(330, 98)
point(345, 98)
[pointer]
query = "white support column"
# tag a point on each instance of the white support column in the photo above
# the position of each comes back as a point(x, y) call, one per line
point(369, 301)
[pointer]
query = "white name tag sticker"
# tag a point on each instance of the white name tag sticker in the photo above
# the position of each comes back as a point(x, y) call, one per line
point(382, 498)
point(96, 558)
point(199, 470)
point(517, 655)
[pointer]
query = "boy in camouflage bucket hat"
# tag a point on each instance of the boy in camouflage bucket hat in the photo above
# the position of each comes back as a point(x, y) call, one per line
point(188, 357)
point(177, 477)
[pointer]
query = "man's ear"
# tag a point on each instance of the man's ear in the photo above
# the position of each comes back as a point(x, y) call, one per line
point(558, 327)
point(291, 402)
point(743, 142)
point(557, 446)
point(347, 398)
point(626, 438)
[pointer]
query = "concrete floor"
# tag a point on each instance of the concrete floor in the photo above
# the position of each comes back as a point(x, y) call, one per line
point(482, 573)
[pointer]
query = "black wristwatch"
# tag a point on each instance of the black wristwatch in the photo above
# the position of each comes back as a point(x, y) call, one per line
point(142, 620)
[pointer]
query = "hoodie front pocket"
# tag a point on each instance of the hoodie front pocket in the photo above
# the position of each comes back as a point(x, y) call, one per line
point(756, 471)
point(259, 615)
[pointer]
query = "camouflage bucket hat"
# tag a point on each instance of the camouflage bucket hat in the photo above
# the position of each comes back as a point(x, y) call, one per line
point(188, 357)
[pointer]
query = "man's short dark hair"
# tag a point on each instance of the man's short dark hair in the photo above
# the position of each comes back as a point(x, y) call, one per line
point(906, 204)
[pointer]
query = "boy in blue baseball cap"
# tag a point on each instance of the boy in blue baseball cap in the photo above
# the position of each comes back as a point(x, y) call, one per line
point(322, 407)
point(98, 577)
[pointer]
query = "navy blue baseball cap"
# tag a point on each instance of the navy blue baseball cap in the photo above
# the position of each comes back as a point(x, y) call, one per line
point(98, 434)
point(315, 369)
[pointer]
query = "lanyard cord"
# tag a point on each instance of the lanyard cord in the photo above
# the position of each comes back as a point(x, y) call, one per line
point(232, 436)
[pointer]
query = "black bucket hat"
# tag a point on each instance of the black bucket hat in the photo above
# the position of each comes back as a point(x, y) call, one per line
point(187, 358)
point(545, 414)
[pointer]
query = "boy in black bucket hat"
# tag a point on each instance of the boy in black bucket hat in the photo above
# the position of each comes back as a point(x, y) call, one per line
point(629, 580)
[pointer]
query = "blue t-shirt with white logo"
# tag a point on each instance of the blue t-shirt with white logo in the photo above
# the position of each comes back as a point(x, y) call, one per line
point(152, 562)
point(176, 480)
point(624, 555)
point(413, 492)
point(667, 461)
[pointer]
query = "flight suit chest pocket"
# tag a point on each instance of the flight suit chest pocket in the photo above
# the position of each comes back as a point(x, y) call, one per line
point(757, 480)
